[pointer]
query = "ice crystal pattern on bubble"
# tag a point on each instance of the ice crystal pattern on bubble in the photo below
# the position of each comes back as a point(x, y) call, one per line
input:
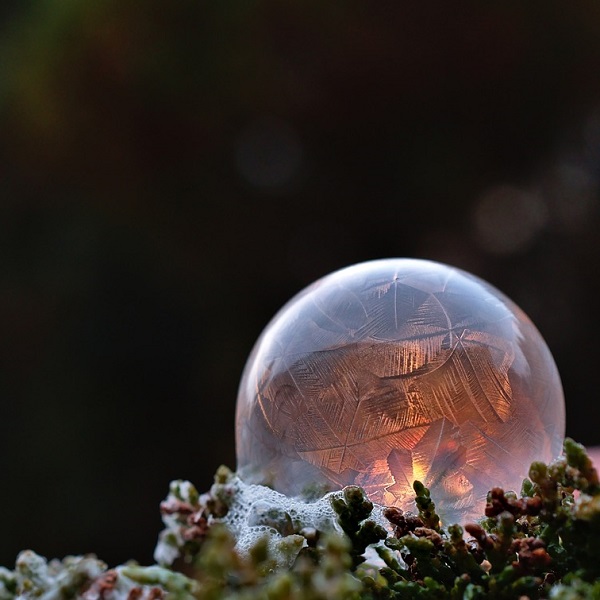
point(395, 370)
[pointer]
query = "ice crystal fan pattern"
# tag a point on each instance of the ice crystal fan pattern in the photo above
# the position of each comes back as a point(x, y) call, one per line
point(395, 370)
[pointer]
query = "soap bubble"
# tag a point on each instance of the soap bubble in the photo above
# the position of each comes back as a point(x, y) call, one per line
point(395, 370)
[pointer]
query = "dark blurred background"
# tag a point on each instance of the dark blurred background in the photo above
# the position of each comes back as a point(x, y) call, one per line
point(172, 172)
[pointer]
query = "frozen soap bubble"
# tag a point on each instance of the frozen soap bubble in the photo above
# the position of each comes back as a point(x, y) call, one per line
point(394, 370)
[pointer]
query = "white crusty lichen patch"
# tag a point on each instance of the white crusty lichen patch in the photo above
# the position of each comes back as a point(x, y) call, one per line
point(89, 578)
point(250, 513)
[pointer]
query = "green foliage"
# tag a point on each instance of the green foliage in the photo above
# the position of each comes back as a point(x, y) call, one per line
point(353, 508)
point(224, 573)
point(541, 544)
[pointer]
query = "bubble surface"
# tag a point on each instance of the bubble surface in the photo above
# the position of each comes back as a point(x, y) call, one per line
point(394, 370)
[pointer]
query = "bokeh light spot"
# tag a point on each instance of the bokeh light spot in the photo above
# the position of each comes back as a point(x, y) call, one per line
point(268, 153)
point(506, 220)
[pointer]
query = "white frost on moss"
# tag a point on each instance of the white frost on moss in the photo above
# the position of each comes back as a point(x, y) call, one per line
point(8, 584)
point(35, 577)
point(88, 578)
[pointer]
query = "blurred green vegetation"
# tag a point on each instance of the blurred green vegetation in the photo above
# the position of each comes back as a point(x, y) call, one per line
point(172, 172)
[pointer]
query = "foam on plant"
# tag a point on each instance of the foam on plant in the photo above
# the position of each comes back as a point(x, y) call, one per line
point(256, 511)
point(253, 512)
